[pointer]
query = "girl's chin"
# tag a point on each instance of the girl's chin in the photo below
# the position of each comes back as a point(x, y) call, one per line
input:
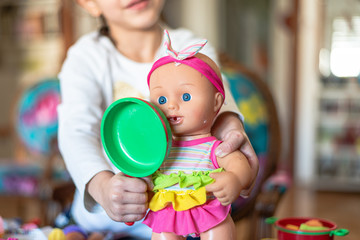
point(144, 22)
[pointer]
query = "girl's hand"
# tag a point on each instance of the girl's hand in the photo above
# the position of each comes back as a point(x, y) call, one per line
point(123, 198)
point(226, 187)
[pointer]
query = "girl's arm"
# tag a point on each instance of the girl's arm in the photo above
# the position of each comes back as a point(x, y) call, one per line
point(236, 177)
point(85, 93)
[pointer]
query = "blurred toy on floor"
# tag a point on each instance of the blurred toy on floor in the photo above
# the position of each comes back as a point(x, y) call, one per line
point(14, 229)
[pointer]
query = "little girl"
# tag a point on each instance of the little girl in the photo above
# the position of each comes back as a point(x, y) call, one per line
point(188, 88)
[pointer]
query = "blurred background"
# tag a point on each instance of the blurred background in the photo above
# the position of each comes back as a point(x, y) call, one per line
point(306, 52)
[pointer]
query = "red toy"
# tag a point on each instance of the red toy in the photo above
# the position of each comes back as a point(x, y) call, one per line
point(289, 229)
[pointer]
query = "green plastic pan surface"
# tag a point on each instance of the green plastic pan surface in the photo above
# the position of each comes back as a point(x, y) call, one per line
point(136, 136)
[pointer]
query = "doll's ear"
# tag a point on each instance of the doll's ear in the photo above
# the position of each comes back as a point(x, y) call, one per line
point(90, 6)
point(218, 101)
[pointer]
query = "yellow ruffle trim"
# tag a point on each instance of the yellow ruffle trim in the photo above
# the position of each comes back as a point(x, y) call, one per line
point(180, 200)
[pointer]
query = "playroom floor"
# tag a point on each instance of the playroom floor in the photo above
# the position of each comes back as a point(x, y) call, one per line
point(341, 208)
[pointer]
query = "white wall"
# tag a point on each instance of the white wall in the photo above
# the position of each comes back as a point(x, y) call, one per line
point(200, 16)
point(308, 88)
point(280, 59)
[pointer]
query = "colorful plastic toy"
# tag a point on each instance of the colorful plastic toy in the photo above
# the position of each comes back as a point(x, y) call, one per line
point(96, 236)
point(37, 120)
point(74, 232)
point(306, 229)
point(131, 124)
point(2, 230)
point(57, 234)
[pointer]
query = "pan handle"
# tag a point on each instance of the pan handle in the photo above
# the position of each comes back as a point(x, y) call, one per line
point(271, 220)
point(339, 232)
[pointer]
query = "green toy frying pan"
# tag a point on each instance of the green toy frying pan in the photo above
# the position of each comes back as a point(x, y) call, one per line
point(136, 136)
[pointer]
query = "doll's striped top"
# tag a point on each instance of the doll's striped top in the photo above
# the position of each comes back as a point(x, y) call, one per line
point(190, 157)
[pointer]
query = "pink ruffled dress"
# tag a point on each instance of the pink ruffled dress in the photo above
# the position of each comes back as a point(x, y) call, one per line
point(181, 204)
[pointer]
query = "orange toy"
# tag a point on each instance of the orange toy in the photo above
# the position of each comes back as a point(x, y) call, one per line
point(292, 227)
point(314, 223)
point(75, 236)
point(96, 236)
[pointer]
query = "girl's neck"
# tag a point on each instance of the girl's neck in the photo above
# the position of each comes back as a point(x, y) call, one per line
point(138, 45)
point(193, 137)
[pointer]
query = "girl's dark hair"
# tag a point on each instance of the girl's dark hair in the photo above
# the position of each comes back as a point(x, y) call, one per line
point(104, 28)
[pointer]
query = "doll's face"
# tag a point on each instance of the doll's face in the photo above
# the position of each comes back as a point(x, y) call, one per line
point(129, 14)
point(187, 98)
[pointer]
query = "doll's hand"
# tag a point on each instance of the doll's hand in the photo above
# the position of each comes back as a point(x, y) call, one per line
point(226, 187)
point(123, 198)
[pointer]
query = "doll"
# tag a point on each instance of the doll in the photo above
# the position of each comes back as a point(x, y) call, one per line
point(193, 188)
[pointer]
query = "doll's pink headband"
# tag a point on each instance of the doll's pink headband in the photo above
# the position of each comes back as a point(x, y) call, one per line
point(187, 57)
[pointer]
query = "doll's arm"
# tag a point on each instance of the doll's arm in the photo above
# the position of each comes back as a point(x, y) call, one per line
point(236, 177)
point(229, 129)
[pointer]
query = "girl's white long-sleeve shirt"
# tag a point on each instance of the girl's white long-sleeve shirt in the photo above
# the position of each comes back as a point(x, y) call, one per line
point(95, 74)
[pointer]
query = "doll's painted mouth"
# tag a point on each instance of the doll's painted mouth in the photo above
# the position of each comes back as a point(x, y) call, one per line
point(174, 120)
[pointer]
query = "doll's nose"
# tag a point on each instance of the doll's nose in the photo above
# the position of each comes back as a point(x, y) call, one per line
point(173, 105)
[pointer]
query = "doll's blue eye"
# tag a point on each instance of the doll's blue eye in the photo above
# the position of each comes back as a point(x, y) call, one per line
point(186, 97)
point(162, 100)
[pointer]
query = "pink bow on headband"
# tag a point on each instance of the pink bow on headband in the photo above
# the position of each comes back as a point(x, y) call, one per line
point(187, 52)
point(187, 57)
